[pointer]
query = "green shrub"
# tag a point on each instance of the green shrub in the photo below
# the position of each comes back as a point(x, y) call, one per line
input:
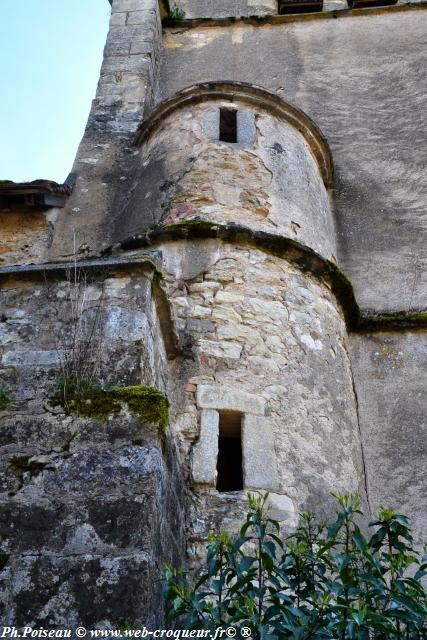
point(321, 582)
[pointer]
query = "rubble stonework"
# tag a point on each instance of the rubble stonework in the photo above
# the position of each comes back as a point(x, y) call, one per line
point(275, 335)
point(247, 284)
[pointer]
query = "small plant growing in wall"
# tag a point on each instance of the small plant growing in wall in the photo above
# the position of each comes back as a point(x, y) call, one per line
point(176, 13)
point(323, 581)
point(4, 397)
point(80, 342)
point(80, 389)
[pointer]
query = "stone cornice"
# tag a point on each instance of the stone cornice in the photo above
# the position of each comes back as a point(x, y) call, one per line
point(297, 17)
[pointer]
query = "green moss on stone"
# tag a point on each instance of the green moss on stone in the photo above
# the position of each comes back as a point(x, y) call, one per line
point(393, 320)
point(150, 404)
point(19, 465)
point(94, 401)
point(4, 397)
point(4, 557)
point(420, 317)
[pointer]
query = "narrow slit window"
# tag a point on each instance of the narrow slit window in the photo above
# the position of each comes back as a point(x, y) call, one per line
point(300, 6)
point(228, 125)
point(229, 466)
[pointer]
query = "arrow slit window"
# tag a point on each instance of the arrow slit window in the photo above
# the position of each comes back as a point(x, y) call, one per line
point(229, 463)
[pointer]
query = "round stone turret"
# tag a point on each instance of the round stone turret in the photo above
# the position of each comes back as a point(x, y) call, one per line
point(233, 154)
point(232, 188)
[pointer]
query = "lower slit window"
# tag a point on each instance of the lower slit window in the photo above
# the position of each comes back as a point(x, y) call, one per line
point(229, 466)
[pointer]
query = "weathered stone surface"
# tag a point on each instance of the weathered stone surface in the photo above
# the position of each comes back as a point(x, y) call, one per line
point(227, 8)
point(226, 398)
point(89, 510)
point(25, 237)
point(282, 509)
point(191, 260)
point(205, 451)
point(259, 457)
point(213, 511)
point(92, 523)
point(133, 5)
point(390, 375)
point(111, 324)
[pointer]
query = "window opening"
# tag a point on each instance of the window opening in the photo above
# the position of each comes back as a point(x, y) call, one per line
point(363, 4)
point(229, 465)
point(228, 125)
point(300, 6)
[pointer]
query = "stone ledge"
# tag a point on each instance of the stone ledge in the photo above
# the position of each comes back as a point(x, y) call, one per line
point(149, 258)
point(259, 21)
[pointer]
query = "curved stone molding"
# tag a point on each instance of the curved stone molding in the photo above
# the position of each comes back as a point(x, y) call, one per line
point(251, 95)
point(294, 251)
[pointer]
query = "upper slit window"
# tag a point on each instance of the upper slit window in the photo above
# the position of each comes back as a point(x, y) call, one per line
point(300, 6)
point(228, 125)
point(229, 466)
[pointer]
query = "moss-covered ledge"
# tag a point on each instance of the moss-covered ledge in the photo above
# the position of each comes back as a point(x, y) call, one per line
point(293, 251)
point(281, 246)
point(92, 401)
point(392, 321)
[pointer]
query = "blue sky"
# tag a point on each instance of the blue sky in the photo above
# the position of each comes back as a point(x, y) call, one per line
point(50, 56)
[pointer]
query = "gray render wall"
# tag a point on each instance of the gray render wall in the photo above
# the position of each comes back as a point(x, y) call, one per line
point(360, 78)
point(390, 372)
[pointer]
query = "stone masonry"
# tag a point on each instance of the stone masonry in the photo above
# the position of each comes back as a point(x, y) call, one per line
point(238, 272)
